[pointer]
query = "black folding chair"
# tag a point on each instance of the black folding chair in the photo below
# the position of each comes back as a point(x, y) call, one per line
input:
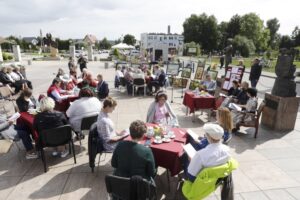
point(86, 124)
point(56, 137)
point(120, 188)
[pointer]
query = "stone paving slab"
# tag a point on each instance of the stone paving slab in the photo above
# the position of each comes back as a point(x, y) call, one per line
point(269, 165)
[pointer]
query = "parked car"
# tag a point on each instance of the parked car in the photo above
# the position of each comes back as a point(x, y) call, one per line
point(80, 52)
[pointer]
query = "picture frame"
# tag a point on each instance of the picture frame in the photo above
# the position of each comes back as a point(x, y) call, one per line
point(213, 74)
point(199, 71)
point(179, 82)
point(186, 73)
point(172, 69)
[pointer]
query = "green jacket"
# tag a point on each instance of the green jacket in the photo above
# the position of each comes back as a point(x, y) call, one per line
point(205, 182)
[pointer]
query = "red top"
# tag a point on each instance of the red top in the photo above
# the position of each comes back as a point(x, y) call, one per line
point(51, 89)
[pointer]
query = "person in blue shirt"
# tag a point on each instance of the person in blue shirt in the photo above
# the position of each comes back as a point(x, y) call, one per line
point(102, 87)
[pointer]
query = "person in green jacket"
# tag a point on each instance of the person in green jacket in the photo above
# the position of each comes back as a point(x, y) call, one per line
point(131, 158)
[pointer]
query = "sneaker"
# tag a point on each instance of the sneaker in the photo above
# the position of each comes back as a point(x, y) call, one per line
point(227, 138)
point(31, 156)
point(54, 153)
point(64, 153)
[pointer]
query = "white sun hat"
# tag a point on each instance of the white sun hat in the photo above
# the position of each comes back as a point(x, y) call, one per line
point(215, 131)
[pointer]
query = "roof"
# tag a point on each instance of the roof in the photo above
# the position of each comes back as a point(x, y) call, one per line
point(91, 39)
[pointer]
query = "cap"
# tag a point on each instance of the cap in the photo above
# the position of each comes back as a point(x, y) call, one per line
point(215, 131)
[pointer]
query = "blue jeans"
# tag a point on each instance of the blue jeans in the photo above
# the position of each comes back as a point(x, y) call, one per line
point(24, 135)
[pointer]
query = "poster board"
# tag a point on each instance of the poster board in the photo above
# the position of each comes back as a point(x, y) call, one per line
point(213, 74)
point(172, 69)
point(192, 50)
point(200, 70)
point(186, 72)
point(232, 73)
point(178, 82)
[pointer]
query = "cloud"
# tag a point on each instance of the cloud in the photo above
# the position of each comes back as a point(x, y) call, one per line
point(113, 18)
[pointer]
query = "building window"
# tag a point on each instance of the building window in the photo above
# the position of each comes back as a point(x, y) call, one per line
point(165, 38)
point(155, 37)
point(170, 38)
point(175, 38)
point(170, 44)
point(160, 38)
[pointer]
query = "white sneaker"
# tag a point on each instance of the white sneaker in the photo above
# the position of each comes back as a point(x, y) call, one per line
point(54, 153)
point(31, 156)
point(64, 153)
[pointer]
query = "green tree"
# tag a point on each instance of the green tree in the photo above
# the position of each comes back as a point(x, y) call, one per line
point(201, 29)
point(252, 27)
point(223, 35)
point(243, 45)
point(286, 42)
point(129, 39)
point(234, 26)
point(104, 44)
point(273, 25)
point(296, 36)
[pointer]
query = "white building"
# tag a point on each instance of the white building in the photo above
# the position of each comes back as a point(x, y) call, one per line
point(162, 44)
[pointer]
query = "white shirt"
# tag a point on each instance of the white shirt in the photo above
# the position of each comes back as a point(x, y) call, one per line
point(15, 76)
point(106, 130)
point(212, 155)
point(119, 74)
point(83, 107)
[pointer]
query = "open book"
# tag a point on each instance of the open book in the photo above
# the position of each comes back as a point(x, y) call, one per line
point(234, 106)
point(189, 149)
point(193, 134)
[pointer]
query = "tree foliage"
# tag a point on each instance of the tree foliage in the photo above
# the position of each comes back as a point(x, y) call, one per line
point(243, 45)
point(234, 26)
point(286, 42)
point(202, 29)
point(104, 44)
point(273, 25)
point(129, 39)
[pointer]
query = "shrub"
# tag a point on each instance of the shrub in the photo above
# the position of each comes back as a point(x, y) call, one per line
point(6, 56)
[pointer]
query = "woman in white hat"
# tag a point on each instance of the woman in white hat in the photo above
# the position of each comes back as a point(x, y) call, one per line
point(67, 82)
point(214, 154)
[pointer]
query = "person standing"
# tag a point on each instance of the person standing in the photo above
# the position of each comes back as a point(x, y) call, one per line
point(82, 61)
point(255, 73)
point(222, 58)
point(71, 65)
point(102, 87)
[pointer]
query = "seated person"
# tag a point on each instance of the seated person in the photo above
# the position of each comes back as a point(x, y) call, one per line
point(60, 72)
point(85, 84)
point(214, 154)
point(26, 101)
point(119, 74)
point(159, 81)
point(129, 79)
point(160, 110)
point(16, 74)
point(102, 87)
point(87, 105)
point(141, 160)
point(67, 82)
point(105, 125)
point(138, 74)
point(48, 119)
point(10, 131)
point(210, 84)
point(90, 79)
point(4, 78)
point(242, 97)
point(248, 111)
point(234, 90)
point(156, 71)
point(224, 119)
point(55, 91)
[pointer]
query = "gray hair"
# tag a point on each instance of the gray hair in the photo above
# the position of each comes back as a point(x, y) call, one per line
point(47, 104)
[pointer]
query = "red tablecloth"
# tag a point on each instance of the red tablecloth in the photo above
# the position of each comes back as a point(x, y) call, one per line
point(63, 105)
point(27, 120)
point(167, 155)
point(198, 102)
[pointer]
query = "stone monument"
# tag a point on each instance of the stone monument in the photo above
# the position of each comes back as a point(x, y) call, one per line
point(281, 108)
point(17, 53)
point(52, 47)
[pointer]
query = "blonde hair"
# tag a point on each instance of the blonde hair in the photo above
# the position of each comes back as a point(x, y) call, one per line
point(47, 104)
point(225, 119)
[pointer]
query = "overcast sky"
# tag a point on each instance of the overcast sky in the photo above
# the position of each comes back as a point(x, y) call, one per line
point(113, 18)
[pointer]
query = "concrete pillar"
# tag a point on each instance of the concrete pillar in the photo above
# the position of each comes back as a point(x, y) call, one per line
point(165, 53)
point(90, 53)
point(72, 51)
point(1, 56)
point(17, 53)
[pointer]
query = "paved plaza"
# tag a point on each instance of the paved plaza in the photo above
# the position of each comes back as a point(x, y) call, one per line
point(269, 165)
